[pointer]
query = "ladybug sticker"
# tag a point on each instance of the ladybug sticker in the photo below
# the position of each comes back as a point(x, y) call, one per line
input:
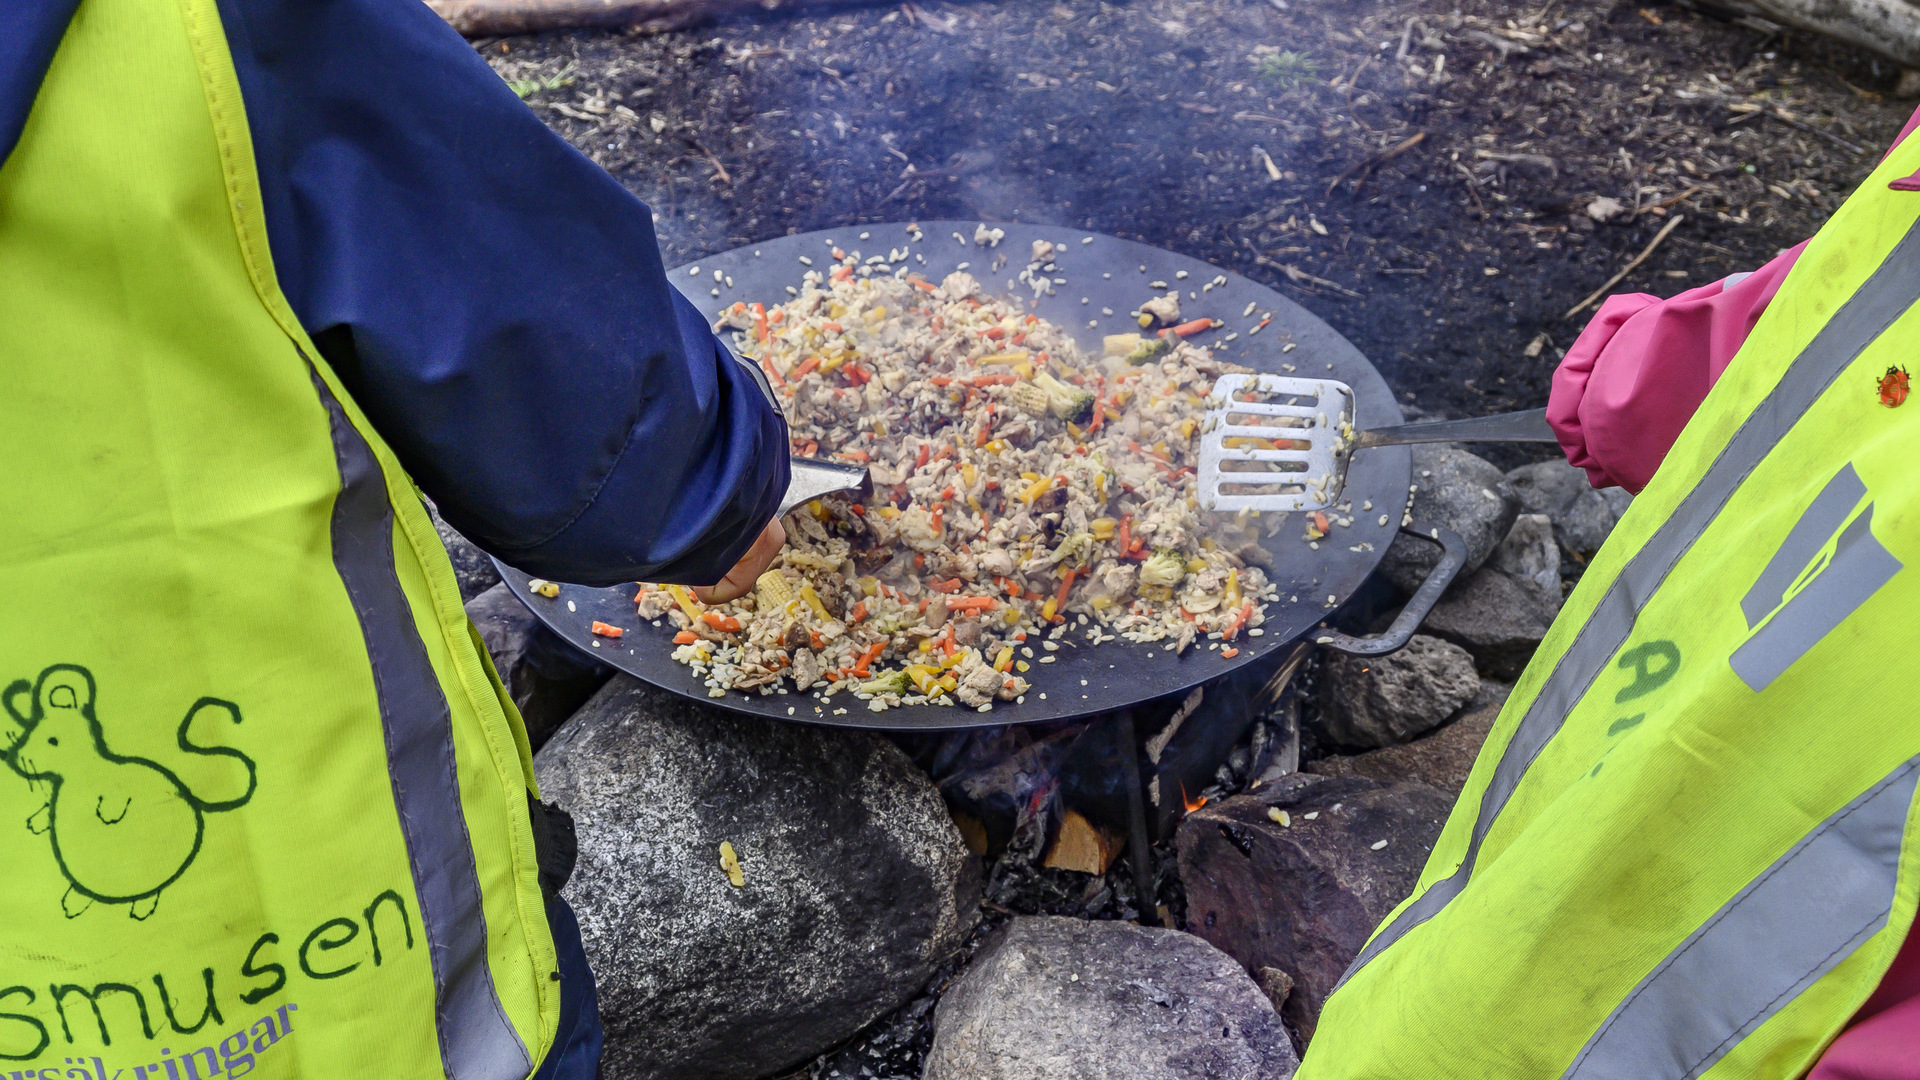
point(1893, 387)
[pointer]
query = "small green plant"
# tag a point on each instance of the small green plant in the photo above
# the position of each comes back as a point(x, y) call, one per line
point(1289, 67)
point(527, 87)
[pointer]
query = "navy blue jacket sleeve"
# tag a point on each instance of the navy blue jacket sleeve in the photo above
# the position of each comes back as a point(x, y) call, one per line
point(496, 303)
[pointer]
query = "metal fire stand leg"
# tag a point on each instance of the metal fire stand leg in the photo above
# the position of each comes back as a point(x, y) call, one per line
point(1139, 849)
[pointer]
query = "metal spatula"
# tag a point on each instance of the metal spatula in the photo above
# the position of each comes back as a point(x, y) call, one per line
point(1275, 443)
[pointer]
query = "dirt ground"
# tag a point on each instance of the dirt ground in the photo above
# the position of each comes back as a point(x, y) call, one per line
point(1449, 260)
point(1418, 173)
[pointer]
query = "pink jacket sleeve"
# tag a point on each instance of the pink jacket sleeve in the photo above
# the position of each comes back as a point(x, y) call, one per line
point(1643, 365)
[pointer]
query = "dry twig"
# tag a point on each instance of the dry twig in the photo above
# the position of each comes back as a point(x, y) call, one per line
point(1672, 224)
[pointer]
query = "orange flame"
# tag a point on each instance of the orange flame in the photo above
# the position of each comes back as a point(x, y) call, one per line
point(1190, 803)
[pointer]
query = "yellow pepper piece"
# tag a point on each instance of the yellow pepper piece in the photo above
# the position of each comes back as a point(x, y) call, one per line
point(966, 475)
point(836, 309)
point(819, 510)
point(1186, 428)
point(1046, 610)
point(686, 601)
point(1100, 487)
point(1102, 528)
point(813, 601)
point(1015, 357)
point(1194, 566)
point(1233, 588)
point(1145, 320)
point(1004, 660)
point(1160, 448)
point(1101, 603)
point(995, 447)
point(877, 313)
point(1012, 616)
point(832, 362)
point(772, 591)
point(1025, 371)
point(1022, 666)
point(949, 683)
point(543, 587)
point(870, 586)
point(926, 644)
point(975, 503)
point(889, 512)
point(1040, 487)
point(1073, 429)
point(730, 863)
point(1029, 476)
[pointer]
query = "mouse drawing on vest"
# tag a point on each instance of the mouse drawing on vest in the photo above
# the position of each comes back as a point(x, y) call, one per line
point(122, 828)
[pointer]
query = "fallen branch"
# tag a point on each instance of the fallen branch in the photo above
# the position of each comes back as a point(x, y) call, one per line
point(1360, 170)
point(1672, 224)
point(1890, 28)
point(486, 18)
point(1790, 120)
point(1301, 277)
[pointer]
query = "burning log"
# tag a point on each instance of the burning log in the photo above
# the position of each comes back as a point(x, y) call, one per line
point(486, 18)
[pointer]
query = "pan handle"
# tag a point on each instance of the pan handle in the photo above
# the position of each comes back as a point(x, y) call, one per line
point(1453, 555)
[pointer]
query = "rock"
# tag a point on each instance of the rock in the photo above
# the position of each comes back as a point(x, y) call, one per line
point(1383, 700)
point(856, 883)
point(471, 566)
point(1276, 984)
point(1302, 897)
point(1441, 760)
point(1582, 517)
point(1501, 613)
point(1457, 491)
point(1531, 558)
point(546, 677)
point(1050, 997)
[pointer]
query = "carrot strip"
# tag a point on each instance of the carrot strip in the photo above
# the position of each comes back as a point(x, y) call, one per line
point(1228, 654)
point(972, 603)
point(726, 624)
point(871, 654)
point(1060, 598)
point(606, 630)
point(859, 611)
point(920, 457)
point(805, 367)
point(843, 274)
point(685, 637)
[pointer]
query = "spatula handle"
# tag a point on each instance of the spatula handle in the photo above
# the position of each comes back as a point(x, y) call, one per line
point(1528, 426)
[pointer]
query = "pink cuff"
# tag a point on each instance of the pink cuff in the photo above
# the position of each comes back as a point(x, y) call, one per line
point(1642, 366)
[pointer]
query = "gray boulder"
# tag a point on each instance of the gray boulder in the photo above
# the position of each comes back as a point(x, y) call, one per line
point(546, 677)
point(1382, 700)
point(1457, 491)
point(854, 885)
point(1295, 875)
point(471, 566)
point(1440, 759)
point(1050, 997)
point(1501, 612)
point(1582, 516)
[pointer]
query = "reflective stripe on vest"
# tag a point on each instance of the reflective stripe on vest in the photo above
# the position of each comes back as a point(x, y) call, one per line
point(1686, 849)
point(262, 805)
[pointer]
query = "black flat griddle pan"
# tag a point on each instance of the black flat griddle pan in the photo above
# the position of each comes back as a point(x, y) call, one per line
point(1109, 273)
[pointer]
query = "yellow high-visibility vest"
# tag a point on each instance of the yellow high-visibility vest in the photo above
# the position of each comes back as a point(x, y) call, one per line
point(263, 807)
point(1688, 848)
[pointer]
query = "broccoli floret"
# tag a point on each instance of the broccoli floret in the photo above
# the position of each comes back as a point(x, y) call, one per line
point(1147, 350)
point(1069, 403)
point(1165, 567)
point(891, 682)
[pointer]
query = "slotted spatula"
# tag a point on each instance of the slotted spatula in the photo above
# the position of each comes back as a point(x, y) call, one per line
point(1274, 443)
